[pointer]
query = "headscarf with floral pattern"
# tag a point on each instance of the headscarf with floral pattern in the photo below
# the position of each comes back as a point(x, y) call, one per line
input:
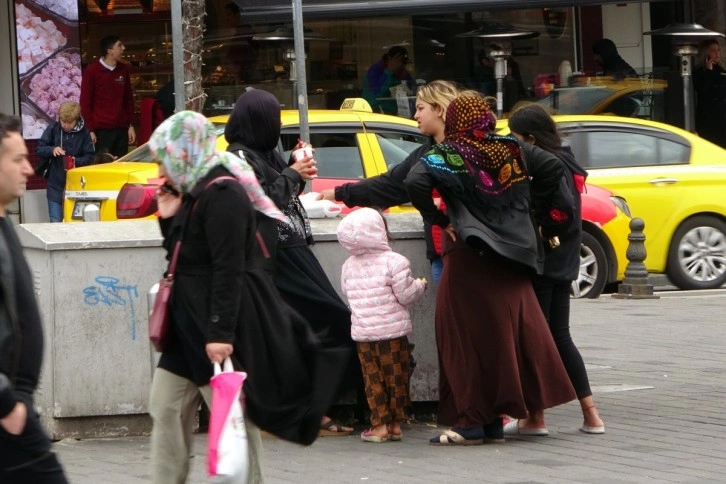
point(474, 162)
point(185, 144)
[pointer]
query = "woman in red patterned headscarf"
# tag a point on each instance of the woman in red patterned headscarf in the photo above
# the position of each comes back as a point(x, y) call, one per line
point(496, 353)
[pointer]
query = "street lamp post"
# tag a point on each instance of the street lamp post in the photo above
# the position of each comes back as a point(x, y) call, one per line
point(293, 45)
point(685, 37)
point(501, 35)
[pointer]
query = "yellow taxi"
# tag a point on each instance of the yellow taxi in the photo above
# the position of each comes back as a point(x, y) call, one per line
point(672, 179)
point(350, 144)
point(632, 97)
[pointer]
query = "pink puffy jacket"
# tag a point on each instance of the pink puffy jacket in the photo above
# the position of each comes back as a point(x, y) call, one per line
point(377, 281)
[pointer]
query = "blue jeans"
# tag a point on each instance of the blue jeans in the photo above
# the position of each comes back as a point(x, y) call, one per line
point(437, 267)
point(55, 211)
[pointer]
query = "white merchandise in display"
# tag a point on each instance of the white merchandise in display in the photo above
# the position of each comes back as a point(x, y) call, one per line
point(37, 39)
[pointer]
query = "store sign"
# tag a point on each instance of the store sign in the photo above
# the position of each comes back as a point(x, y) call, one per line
point(49, 60)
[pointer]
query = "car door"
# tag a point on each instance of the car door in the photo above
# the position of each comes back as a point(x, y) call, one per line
point(390, 145)
point(639, 163)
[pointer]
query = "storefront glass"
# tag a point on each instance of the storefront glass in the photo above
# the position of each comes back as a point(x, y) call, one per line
point(239, 54)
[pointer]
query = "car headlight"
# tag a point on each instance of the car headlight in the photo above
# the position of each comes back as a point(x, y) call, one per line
point(622, 205)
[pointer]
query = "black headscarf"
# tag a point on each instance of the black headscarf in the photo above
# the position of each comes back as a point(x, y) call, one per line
point(255, 123)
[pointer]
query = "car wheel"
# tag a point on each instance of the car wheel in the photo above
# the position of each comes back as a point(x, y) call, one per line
point(593, 274)
point(697, 256)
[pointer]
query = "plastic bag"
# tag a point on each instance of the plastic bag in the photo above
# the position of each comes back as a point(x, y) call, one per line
point(319, 208)
point(227, 458)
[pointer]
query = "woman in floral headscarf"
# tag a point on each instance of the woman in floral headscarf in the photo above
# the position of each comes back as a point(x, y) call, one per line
point(496, 353)
point(224, 304)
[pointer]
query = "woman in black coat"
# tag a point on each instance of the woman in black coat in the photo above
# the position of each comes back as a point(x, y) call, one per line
point(224, 304)
point(253, 131)
point(559, 216)
point(67, 137)
point(709, 81)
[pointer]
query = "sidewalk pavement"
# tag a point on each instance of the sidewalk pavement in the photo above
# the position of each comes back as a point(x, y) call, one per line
point(657, 370)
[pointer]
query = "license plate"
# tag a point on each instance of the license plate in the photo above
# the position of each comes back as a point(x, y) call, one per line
point(78, 209)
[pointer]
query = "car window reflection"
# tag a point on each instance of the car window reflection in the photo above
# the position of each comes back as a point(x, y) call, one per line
point(616, 149)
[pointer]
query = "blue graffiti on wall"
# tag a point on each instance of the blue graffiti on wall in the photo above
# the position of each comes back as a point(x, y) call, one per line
point(108, 291)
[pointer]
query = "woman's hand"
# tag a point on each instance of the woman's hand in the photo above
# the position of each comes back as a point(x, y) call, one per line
point(14, 422)
point(306, 167)
point(217, 352)
point(58, 151)
point(450, 230)
point(168, 204)
point(327, 194)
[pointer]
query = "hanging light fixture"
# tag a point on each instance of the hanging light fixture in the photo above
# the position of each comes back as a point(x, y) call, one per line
point(502, 35)
point(684, 38)
point(499, 31)
point(287, 34)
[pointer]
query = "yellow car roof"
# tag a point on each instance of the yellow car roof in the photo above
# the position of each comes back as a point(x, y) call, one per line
point(292, 117)
point(503, 124)
point(352, 110)
point(704, 152)
point(629, 83)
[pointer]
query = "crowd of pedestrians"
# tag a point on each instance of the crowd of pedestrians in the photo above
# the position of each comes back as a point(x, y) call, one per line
point(248, 287)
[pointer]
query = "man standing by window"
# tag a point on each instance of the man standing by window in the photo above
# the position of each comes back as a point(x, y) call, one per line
point(387, 73)
point(107, 100)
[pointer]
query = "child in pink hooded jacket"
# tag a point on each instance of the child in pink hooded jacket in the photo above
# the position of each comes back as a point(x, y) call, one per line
point(379, 285)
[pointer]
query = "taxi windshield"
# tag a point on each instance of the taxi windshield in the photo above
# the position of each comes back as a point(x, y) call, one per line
point(142, 153)
point(575, 100)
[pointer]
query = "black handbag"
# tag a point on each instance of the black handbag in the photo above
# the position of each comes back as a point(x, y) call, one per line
point(43, 168)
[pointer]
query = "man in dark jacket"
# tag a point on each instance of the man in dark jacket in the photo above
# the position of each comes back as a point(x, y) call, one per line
point(67, 138)
point(606, 55)
point(25, 454)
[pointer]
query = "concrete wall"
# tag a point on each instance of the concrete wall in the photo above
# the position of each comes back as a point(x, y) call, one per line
point(91, 281)
point(34, 207)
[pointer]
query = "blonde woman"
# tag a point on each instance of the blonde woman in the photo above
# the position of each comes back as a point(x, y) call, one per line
point(388, 190)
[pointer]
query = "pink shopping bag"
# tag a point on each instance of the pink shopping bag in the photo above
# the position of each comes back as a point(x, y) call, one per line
point(227, 443)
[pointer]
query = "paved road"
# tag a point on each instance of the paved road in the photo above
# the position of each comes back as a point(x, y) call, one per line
point(657, 368)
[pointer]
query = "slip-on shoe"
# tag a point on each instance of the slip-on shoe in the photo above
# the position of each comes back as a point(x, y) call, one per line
point(593, 430)
point(512, 428)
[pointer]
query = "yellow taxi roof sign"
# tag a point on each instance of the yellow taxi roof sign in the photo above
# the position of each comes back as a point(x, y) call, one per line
point(356, 104)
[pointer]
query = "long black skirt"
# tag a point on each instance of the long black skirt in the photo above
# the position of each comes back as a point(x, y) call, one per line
point(303, 284)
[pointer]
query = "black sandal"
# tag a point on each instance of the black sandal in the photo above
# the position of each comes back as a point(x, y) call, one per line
point(331, 428)
point(459, 436)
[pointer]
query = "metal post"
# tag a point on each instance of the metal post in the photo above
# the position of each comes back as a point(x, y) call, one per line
point(302, 86)
point(500, 73)
point(686, 54)
point(177, 43)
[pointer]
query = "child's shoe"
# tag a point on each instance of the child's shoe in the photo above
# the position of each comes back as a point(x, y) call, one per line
point(368, 436)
